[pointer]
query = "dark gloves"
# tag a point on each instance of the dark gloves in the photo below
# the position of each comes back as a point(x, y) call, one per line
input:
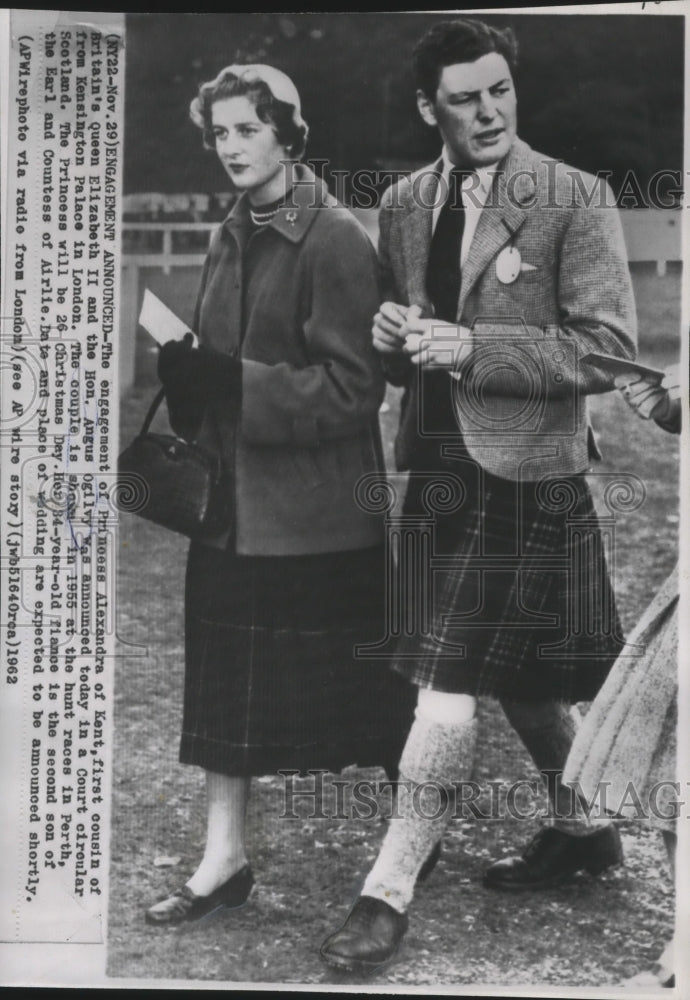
point(184, 397)
point(172, 358)
point(192, 377)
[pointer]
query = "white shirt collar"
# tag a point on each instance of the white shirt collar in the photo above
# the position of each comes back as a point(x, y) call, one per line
point(485, 174)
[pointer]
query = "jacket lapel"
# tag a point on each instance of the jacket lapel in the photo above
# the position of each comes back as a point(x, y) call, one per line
point(501, 217)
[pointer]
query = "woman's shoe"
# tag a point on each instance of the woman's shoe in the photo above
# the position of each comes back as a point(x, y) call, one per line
point(184, 905)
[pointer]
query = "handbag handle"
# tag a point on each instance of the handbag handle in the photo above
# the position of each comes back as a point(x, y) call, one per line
point(153, 409)
point(148, 419)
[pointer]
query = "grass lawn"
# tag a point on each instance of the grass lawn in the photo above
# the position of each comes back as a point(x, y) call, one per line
point(586, 933)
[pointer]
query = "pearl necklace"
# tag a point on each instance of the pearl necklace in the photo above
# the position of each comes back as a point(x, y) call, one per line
point(263, 218)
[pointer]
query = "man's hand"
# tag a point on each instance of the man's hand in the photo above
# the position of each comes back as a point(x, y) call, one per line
point(641, 394)
point(436, 343)
point(387, 331)
point(667, 413)
point(671, 382)
point(658, 400)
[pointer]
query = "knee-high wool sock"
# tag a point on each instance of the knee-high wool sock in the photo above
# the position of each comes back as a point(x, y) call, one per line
point(435, 756)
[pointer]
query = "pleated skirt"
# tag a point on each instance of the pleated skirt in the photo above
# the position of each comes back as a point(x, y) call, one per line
point(273, 675)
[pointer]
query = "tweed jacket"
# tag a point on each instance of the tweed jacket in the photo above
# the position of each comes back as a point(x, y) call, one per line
point(293, 302)
point(521, 401)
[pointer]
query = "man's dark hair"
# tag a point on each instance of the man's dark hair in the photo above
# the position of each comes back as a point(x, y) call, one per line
point(458, 41)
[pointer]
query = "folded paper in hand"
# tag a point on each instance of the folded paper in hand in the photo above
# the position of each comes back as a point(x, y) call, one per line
point(623, 366)
point(161, 322)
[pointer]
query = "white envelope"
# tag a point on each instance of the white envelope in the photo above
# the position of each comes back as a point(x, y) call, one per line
point(161, 322)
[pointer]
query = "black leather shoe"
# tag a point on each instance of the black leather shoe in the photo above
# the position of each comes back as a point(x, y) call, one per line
point(430, 863)
point(553, 855)
point(184, 905)
point(368, 939)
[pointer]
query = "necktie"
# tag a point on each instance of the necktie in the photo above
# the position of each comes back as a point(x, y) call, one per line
point(443, 288)
point(443, 268)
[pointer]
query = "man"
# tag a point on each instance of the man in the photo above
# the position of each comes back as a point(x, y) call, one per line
point(501, 273)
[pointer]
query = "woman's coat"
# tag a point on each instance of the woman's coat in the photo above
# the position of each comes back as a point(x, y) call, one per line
point(300, 321)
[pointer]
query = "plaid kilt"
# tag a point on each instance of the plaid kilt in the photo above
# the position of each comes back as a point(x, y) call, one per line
point(271, 679)
point(520, 597)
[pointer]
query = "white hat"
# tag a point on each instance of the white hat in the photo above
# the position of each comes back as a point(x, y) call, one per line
point(279, 83)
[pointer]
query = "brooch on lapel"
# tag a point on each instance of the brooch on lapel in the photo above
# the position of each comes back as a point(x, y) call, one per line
point(291, 217)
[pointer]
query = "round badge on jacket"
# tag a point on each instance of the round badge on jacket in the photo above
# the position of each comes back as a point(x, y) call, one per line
point(508, 265)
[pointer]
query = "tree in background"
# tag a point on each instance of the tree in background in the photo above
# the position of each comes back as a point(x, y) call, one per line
point(604, 93)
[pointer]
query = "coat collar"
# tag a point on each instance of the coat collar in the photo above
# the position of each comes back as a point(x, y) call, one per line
point(293, 219)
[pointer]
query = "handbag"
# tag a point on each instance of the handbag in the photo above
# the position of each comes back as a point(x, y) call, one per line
point(172, 482)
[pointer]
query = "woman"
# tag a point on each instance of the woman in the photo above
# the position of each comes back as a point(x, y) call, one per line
point(286, 384)
point(628, 739)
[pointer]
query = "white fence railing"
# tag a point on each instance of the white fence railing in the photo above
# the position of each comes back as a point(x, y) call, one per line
point(166, 257)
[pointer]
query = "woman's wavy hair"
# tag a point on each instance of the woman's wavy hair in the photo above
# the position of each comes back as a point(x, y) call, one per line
point(271, 111)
